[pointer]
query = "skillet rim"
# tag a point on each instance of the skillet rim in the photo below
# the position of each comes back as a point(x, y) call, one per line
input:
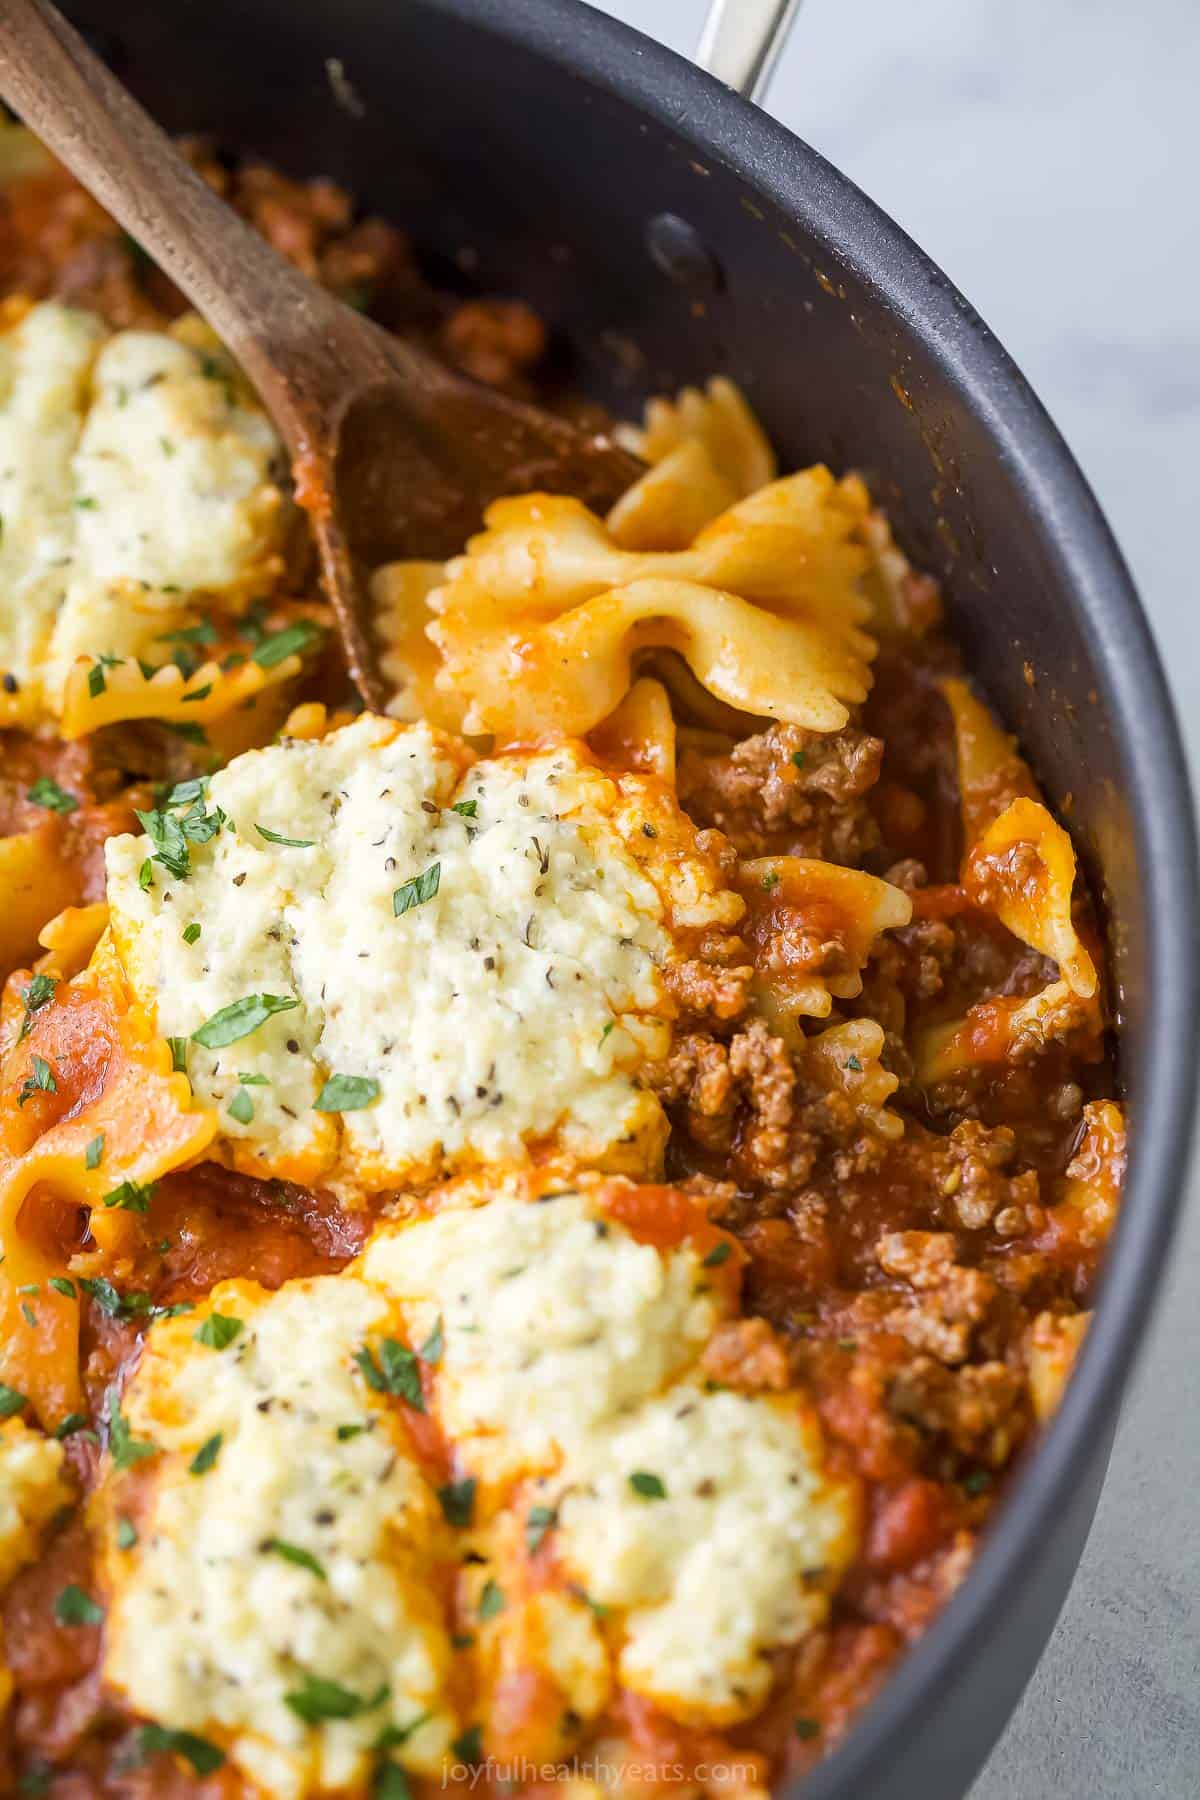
point(1095, 583)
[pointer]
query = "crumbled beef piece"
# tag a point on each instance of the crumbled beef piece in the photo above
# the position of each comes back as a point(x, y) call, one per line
point(740, 1097)
point(948, 1299)
point(497, 342)
point(787, 791)
point(704, 990)
point(982, 1408)
point(719, 1197)
point(907, 967)
point(975, 1191)
point(747, 1355)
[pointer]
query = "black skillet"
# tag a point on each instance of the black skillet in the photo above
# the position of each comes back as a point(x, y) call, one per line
point(668, 229)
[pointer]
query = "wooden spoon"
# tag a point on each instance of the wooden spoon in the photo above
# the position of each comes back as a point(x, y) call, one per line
point(393, 455)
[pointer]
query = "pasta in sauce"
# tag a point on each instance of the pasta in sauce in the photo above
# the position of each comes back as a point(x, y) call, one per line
point(536, 1229)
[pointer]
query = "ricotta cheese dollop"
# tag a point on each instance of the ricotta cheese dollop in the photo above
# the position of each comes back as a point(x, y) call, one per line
point(387, 959)
point(704, 1524)
point(136, 481)
point(279, 1595)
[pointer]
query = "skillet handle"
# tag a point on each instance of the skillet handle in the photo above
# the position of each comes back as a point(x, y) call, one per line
point(742, 39)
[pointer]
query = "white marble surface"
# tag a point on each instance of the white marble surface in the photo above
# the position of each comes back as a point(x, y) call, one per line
point(1047, 154)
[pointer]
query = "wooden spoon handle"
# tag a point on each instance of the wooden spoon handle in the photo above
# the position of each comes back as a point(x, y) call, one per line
point(268, 314)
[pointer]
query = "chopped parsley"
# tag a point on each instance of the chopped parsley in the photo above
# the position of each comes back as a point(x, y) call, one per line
point(127, 1535)
point(183, 652)
point(393, 1735)
point(39, 993)
point(252, 1080)
point(161, 1740)
point(275, 837)
point(171, 835)
point(10, 1401)
point(491, 1600)
point(977, 1483)
point(131, 1196)
point(190, 933)
point(390, 1783)
point(303, 1559)
point(719, 1254)
point(241, 1107)
point(466, 809)
point(317, 1699)
point(807, 1728)
point(798, 758)
point(346, 1432)
point(123, 1447)
point(417, 891)
point(538, 1521)
point(396, 1372)
point(770, 881)
point(74, 1607)
point(40, 1081)
point(184, 793)
point(190, 733)
point(178, 1054)
point(457, 1501)
point(293, 640)
point(104, 1294)
point(146, 875)
point(206, 1456)
point(97, 674)
point(46, 792)
point(61, 1285)
point(218, 1331)
point(435, 1343)
point(852, 1062)
point(70, 1425)
point(170, 846)
point(468, 1746)
point(240, 1018)
point(346, 1093)
point(650, 1487)
point(94, 1151)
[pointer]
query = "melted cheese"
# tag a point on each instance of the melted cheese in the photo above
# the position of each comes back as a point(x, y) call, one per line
point(173, 500)
point(515, 1004)
point(44, 365)
point(737, 1558)
point(555, 1322)
point(31, 1492)
point(567, 1367)
point(209, 1629)
point(135, 480)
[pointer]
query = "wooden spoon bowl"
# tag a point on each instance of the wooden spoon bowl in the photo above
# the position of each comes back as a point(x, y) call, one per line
point(393, 455)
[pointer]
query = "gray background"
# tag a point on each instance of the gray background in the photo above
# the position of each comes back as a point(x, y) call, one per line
point(1063, 137)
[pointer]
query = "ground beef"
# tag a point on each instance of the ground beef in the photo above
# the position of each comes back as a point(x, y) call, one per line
point(738, 1098)
point(496, 341)
point(947, 1300)
point(982, 1409)
point(787, 792)
point(705, 990)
